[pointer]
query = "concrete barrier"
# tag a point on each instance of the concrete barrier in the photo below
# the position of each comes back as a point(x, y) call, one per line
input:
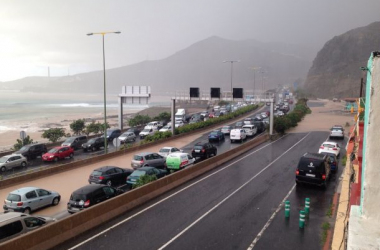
point(43, 172)
point(56, 233)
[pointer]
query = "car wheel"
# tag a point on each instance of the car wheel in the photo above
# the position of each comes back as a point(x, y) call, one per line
point(93, 148)
point(109, 183)
point(3, 169)
point(27, 211)
point(56, 159)
point(55, 201)
point(71, 155)
point(216, 151)
point(134, 139)
point(23, 164)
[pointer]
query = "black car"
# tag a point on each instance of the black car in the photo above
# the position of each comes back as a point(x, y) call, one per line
point(260, 126)
point(258, 119)
point(203, 150)
point(216, 136)
point(112, 134)
point(313, 169)
point(134, 130)
point(32, 151)
point(109, 175)
point(93, 144)
point(159, 173)
point(90, 195)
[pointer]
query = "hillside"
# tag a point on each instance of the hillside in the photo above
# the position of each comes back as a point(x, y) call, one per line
point(199, 65)
point(336, 69)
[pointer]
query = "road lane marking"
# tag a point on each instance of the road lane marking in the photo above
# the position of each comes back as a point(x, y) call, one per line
point(270, 219)
point(230, 195)
point(170, 196)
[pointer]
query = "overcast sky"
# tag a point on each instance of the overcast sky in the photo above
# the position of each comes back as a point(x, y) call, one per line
point(37, 34)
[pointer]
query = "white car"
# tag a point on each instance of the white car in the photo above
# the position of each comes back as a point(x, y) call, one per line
point(165, 151)
point(250, 130)
point(337, 131)
point(146, 132)
point(237, 135)
point(152, 125)
point(166, 128)
point(330, 147)
point(178, 124)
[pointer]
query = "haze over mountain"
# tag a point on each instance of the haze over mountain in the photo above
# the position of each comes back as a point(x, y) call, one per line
point(336, 69)
point(199, 65)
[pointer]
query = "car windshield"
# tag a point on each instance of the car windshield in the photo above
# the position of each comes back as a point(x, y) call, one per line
point(146, 130)
point(328, 145)
point(178, 122)
point(239, 123)
point(125, 134)
point(164, 150)
point(214, 133)
point(53, 150)
point(92, 140)
point(198, 147)
point(138, 173)
point(109, 132)
point(131, 130)
point(24, 148)
point(137, 158)
point(337, 128)
point(3, 159)
point(78, 197)
point(96, 173)
point(226, 127)
point(69, 140)
point(166, 127)
point(14, 197)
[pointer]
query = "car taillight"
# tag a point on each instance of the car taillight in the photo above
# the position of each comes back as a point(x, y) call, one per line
point(323, 177)
point(321, 147)
point(101, 177)
point(142, 161)
point(203, 150)
point(335, 149)
point(87, 203)
point(297, 172)
point(19, 204)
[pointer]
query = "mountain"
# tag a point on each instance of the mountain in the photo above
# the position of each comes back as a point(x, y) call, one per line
point(199, 65)
point(336, 69)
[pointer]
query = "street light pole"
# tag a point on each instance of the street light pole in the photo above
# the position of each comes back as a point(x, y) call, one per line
point(104, 85)
point(232, 62)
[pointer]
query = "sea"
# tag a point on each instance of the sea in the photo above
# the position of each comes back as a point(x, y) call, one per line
point(20, 109)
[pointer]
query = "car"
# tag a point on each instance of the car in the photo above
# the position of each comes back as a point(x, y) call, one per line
point(178, 160)
point(337, 132)
point(211, 115)
point(166, 128)
point(75, 141)
point(192, 121)
point(239, 125)
point(9, 162)
point(248, 120)
point(216, 135)
point(334, 162)
point(112, 134)
point(165, 151)
point(58, 153)
point(258, 118)
point(28, 199)
point(178, 124)
point(146, 132)
point(13, 224)
point(263, 116)
point(90, 195)
point(153, 125)
point(127, 137)
point(136, 131)
point(32, 151)
point(204, 113)
point(109, 175)
point(330, 147)
point(93, 144)
point(148, 159)
point(203, 150)
point(158, 173)
point(226, 130)
point(250, 130)
point(238, 135)
point(314, 169)
point(218, 114)
point(290, 101)
point(216, 108)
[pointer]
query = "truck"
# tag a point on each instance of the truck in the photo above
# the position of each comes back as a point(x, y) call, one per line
point(180, 115)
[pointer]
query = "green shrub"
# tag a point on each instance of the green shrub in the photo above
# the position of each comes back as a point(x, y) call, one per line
point(281, 124)
point(144, 179)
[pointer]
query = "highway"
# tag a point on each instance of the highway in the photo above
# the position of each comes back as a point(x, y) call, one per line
point(226, 208)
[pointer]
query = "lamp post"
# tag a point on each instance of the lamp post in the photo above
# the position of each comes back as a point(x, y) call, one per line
point(104, 84)
point(232, 63)
point(254, 77)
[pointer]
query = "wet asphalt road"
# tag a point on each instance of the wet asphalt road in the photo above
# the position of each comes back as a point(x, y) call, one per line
point(228, 207)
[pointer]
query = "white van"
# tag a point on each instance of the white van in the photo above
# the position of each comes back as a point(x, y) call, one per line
point(237, 135)
point(180, 115)
point(250, 130)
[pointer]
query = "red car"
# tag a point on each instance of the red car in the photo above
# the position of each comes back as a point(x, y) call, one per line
point(211, 115)
point(58, 153)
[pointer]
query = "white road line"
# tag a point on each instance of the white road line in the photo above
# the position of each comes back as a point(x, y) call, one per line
point(179, 191)
point(230, 195)
point(270, 220)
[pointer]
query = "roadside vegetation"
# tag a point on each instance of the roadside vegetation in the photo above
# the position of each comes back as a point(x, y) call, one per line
point(144, 179)
point(283, 123)
point(19, 143)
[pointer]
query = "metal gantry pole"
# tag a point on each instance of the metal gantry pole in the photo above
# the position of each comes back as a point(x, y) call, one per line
point(232, 63)
point(173, 117)
point(271, 117)
point(105, 106)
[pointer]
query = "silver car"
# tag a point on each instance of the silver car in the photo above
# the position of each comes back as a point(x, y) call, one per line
point(127, 137)
point(14, 224)
point(28, 199)
point(10, 161)
point(148, 160)
point(165, 151)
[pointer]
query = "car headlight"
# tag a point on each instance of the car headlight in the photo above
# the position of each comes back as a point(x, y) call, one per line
point(51, 156)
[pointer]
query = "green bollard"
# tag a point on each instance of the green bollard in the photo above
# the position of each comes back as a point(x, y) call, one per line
point(287, 209)
point(307, 205)
point(302, 219)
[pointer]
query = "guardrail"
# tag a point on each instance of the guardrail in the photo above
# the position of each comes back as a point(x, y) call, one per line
point(56, 233)
point(43, 172)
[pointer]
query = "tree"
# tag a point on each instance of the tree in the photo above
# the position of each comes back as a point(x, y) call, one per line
point(164, 116)
point(77, 126)
point(21, 143)
point(139, 120)
point(144, 179)
point(93, 128)
point(54, 134)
